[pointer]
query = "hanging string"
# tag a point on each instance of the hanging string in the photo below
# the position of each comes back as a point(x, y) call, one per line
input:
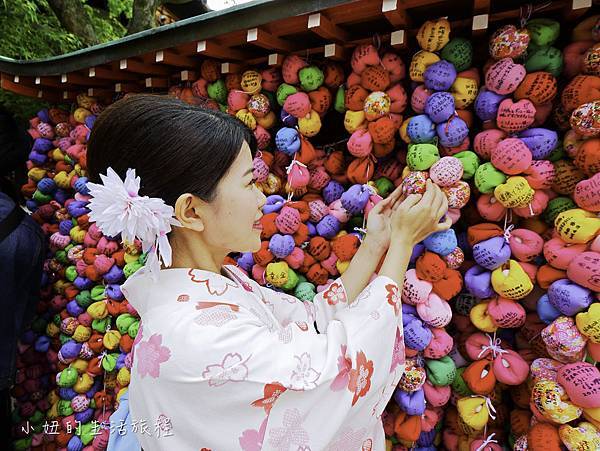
point(489, 440)
point(494, 346)
point(507, 231)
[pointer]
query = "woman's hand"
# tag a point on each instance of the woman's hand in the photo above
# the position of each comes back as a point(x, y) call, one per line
point(418, 216)
point(379, 229)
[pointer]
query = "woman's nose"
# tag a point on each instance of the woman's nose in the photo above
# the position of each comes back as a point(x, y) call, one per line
point(262, 199)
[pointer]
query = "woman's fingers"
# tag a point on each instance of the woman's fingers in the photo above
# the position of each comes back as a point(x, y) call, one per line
point(444, 225)
point(410, 201)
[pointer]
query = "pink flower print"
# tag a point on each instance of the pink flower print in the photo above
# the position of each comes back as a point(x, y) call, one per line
point(232, 369)
point(335, 294)
point(360, 377)
point(251, 439)
point(348, 439)
point(150, 354)
point(310, 311)
point(216, 285)
point(304, 376)
point(398, 354)
point(215, 316)
point(292, 433)
point(393, 297)
point(344, 366)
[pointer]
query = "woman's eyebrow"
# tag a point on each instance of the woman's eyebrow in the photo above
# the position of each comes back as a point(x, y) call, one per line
point(249, 171)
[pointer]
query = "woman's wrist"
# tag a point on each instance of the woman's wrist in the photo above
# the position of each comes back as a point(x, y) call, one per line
point(373, 246)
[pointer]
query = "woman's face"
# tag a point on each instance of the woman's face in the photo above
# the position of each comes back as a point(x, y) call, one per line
point(233, 222)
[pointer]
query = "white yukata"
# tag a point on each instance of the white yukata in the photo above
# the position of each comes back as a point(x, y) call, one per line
point(222, 363)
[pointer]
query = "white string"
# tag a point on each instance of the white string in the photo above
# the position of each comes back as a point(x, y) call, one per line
point(507, 231)
point(490, 406)
point(487, 441)
point(494, 346)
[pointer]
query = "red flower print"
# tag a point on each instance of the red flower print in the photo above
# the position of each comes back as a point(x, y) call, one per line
point(183, 298)
point(335, 293)
point(207, 304)
point(150, 355)
point(367, 445)
point(344, 366)
point(216, 285)
point(360, 377)
point(272, 392)
point(393, 297)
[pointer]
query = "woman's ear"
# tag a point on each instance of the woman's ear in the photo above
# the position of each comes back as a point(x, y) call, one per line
point(189, 211)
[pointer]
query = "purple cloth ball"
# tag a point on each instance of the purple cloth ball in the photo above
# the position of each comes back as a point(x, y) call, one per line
point(540, 141)
point(113, 291)
point(114, 275)
point(355, 199)
point(411, 403)
point(569, 298)
point(439, 76)
point(487, 104)
point(328, 227)
point(332, 192)
point(453, 132)
point(440, 106)
point(478, 282)
point(491, 253)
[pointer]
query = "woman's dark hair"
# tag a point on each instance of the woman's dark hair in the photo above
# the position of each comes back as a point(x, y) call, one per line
point(174, 147)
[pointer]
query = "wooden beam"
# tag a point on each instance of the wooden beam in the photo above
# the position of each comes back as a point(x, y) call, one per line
point(131, 65)
point(214, 50)
point(267, 41)
point(127, 87)
point(7, 83)
point(396, 13)
point(171, 58)
point(188, 75)
point(481, 7)
point(576, 10)
point(155, 82)
point(105, 73)
point(69, 95)
point(231, 68)
point(99, 92)
point(75, 78)
point(53, 82)
point(325, 28)
point(335, 52)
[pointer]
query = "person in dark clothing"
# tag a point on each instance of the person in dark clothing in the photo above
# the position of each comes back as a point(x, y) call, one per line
point(22, 252)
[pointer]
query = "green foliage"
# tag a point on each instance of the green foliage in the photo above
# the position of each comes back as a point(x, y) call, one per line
point(30, 30)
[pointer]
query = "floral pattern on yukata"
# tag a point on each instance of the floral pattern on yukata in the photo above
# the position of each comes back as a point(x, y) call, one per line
point(348, 439)
point(393, 297)
point(150, 355)
point(398, 355)
point(232, 369)
point(335, 294)
point(215, 314)
point(271, 393)
point(360, 377)
point(216, 285)
point(344, 366)
point(290, 434)
point(304, 376)
point(252, 439)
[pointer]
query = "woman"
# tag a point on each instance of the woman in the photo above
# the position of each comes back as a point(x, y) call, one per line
point(222, 363)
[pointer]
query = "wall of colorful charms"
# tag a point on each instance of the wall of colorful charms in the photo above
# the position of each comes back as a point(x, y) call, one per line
point(500, 313)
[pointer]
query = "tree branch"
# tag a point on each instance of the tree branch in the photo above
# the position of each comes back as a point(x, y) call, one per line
point(75, 19)
point(143, 17)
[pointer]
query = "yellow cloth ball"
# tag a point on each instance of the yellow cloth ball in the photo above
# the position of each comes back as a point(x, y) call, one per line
point(514, 193)
point(267, 121)
point(354, 120)
point(98, 310)
point(247, 118)
point(123, 376)
point(588, 322)
point(62, 180)
point(403, 131)
point(37, 174)
point(80, 365)
point(84, 383)
point(464, 90)
point(311, 125)
point(77, 234)
point(473, 411)
point(251, 82)
point(551, 400)
point(420, 62)
point(82, 333)
point(577, 226)
point(80, 114)
point(277, 273)
point(111, 339)
point(512, 282)
point(434, 35)
point(342, 266)
point(52, 330)
point(480, 318)
point(584, 436)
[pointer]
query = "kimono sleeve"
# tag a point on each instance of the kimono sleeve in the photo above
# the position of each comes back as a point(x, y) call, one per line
point(322, 378)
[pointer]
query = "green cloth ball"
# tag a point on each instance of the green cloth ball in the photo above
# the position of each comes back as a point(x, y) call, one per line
point(41, 198)
point(548, 59)
point(67, 377)
point(100, 325)
point(86, 432)
point(555, 207)
point(132, 331)
point(305, 291)
point(284, 91)
point(218, 91)
point(339, 104)
point(384, 186)
point(440, 372)
point(459, 51)
point(23, 444)
point(223, 108)
point(98, 293)
point(84, 299)
point(64, 408)
point(470, 162)
point(543, 32)
point(292, 280)
point(124, 321)
point(64, 338)
point(421, 156)
point(487, 177)
point(302, 278)
point(459, 385)
point(311, 78)
point(131, 268)
point(109, 361)
point(71, 273)
point(61, 257)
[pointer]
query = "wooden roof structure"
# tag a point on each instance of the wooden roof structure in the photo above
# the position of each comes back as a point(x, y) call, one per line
point(259, 33)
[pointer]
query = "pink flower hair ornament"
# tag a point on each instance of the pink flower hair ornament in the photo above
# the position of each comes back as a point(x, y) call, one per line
point(117, 208)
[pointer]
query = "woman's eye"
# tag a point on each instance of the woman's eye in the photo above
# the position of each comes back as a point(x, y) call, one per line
point(252, 182)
